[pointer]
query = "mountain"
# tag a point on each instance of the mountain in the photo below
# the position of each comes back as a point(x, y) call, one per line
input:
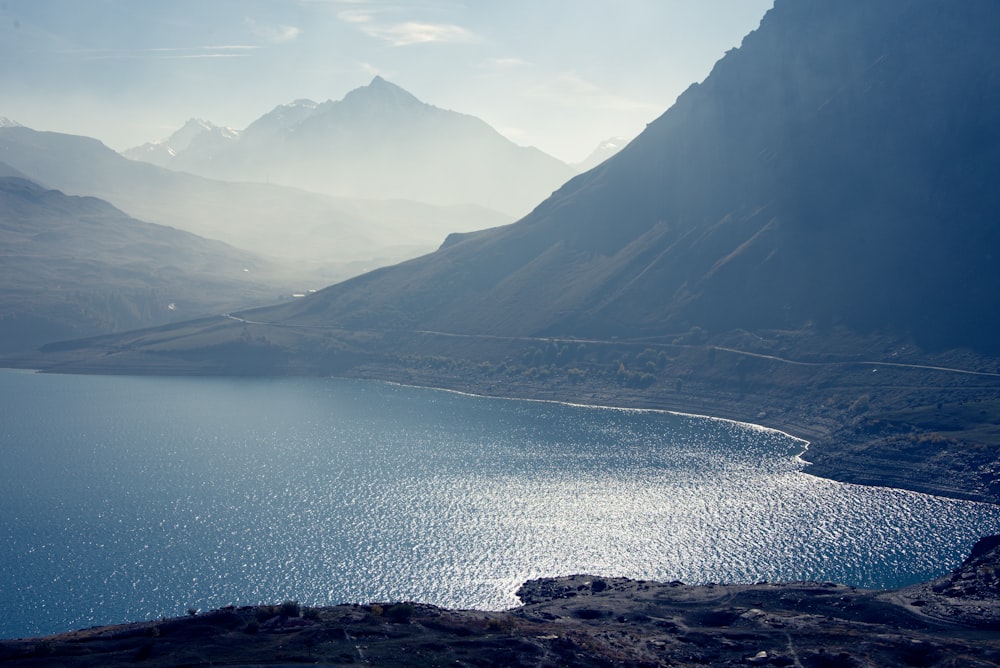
point(76, 266)
point(601, 152)
point(197, 136)
point(7, 170)
point(282, 119)
point(326, 238)
point(835, 171)
point(807, 239)
point(379, 142)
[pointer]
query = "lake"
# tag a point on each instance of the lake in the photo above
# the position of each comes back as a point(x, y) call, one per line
point(130, 498)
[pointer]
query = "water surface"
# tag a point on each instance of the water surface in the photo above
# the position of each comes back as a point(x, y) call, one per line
point(129, 498)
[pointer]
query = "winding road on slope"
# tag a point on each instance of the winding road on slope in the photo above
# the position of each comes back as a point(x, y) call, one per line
point(552, 339)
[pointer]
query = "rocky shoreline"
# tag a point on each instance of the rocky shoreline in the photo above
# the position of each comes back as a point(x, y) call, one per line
point(876, 447)
point(580, 621)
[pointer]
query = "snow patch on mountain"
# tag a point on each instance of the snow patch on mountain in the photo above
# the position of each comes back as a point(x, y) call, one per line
point(196, 132)
point(604, 150)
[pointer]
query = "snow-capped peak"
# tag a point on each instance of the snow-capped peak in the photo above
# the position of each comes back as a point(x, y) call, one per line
point(182, 138)
point(193, 133)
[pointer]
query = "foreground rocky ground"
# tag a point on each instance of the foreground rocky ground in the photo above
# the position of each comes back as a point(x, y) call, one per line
point(581, 621)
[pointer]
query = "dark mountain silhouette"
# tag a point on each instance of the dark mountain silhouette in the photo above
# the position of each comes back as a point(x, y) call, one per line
point(378, 142)
point(76, 266)
point(328, 238)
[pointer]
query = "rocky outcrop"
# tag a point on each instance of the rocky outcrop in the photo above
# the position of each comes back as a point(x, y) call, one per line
point(580, 620)
point(969, 595)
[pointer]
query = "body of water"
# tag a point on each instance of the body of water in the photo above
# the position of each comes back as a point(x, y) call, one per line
point(128, 498)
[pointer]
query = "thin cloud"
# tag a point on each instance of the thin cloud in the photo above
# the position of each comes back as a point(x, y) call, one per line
point(572, 89)
point(208, 55)
point(413, 32)
point(406, 33)
point(501, 68)
point(371, 70)
point(166, 53)
point(279, 34)
point(356, 16)
point(502, 63)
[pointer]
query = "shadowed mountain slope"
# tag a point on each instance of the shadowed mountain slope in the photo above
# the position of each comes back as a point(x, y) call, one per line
point(836, 170)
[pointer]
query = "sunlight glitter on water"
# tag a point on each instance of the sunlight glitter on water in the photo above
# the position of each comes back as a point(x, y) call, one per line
point(205, 492)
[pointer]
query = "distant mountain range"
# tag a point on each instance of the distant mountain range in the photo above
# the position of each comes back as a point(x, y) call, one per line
point(327, 238)
point(379, 142)
point(184, 145)
point(76, 266)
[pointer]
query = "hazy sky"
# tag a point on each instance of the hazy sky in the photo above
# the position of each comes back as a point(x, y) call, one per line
point(558, 74)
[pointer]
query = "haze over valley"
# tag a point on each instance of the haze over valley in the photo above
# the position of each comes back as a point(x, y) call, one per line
point(318, 192)
point(77, 266)
point(321, 191)
point(377, 201)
